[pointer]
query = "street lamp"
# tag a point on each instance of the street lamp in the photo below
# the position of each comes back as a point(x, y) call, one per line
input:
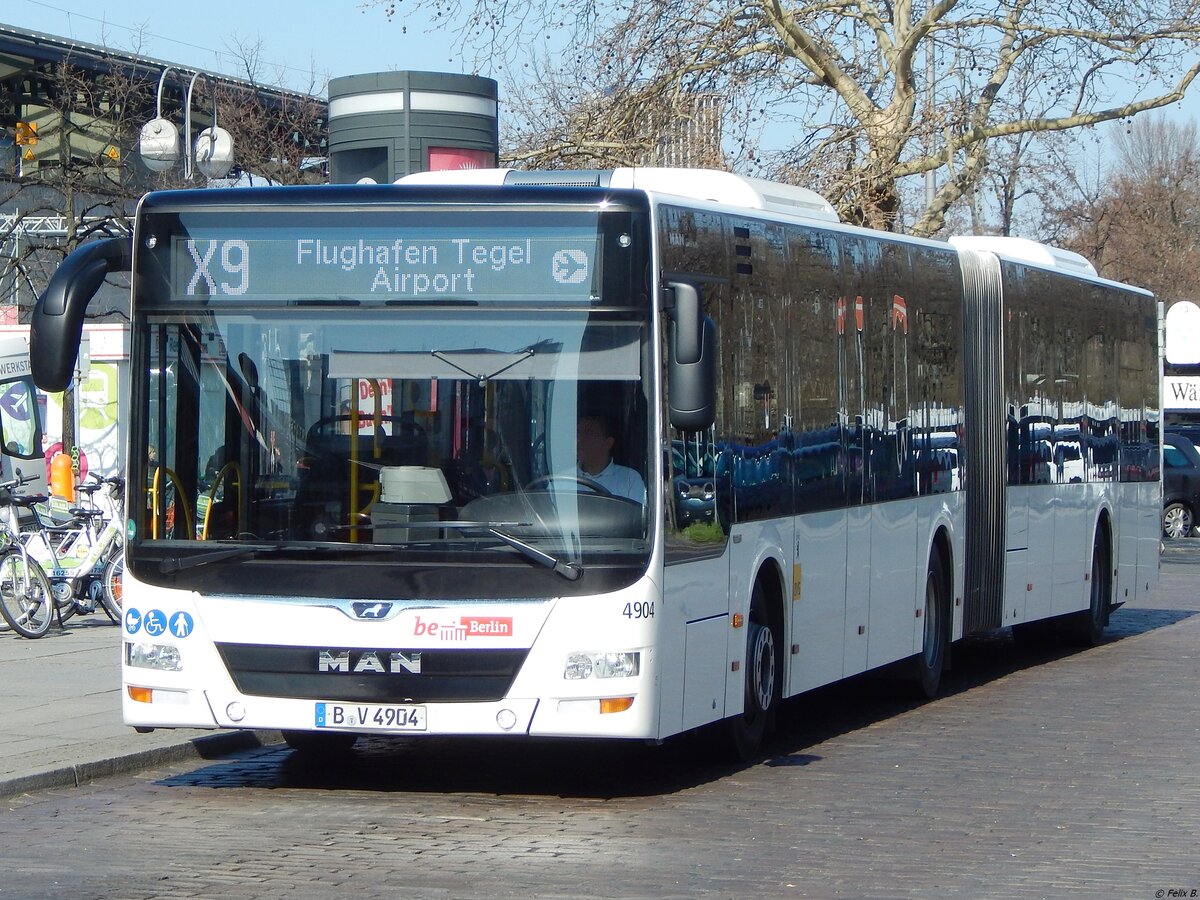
point(159, 144)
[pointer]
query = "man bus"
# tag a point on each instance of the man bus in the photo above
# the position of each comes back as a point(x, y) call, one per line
point(367, 515)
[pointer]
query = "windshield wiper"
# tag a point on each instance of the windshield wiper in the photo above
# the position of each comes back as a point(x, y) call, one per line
point(326, 301)
point(440, 301)
point(568, 570)
point(177, 564)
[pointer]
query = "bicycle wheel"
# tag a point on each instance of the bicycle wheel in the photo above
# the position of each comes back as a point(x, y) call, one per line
point(110, 596)
point(25, 599)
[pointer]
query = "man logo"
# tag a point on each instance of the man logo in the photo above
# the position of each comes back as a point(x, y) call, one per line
point(371, 610)
point(365, 662)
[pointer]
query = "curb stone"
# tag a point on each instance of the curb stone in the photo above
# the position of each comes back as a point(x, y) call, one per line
point(206, 747)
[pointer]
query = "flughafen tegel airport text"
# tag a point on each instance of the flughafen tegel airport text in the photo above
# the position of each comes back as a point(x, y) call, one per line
point(395, 263)
point(450, 265)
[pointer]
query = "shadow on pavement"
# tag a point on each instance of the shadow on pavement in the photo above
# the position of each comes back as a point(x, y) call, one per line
point(72, 625)
point(606, 770)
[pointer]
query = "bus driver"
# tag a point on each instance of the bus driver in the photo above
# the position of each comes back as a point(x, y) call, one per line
point(594, 443)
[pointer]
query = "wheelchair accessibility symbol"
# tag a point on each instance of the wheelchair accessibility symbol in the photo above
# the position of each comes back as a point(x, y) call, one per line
point(155, 622)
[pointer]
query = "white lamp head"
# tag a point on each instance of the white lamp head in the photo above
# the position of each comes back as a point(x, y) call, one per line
point(159, 145)
point(214, 152)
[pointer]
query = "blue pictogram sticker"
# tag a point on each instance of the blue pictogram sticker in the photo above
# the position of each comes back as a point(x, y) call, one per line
point(155, 622)
point(15, 402)
point(133, 620)
point(181, 624)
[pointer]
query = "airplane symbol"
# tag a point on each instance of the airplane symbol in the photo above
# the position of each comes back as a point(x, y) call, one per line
point(569, 266)
point(16, 402)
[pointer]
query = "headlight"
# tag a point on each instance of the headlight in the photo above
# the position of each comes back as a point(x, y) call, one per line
point(164, 657)
point(624, 664)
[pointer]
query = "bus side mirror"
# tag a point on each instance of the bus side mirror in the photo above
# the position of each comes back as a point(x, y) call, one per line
point(57, 322)
point(692, 363)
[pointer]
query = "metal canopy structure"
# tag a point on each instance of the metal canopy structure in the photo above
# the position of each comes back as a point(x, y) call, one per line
point(31, 91)
point(50, 124)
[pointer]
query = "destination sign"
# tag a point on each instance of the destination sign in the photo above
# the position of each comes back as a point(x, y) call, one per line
point(485, 264)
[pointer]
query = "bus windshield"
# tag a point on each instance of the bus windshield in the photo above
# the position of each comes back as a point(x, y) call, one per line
point(407, 433)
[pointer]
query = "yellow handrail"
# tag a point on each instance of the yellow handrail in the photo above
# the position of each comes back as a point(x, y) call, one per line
point(154, 499)
point(356, 515)
point(212, 496)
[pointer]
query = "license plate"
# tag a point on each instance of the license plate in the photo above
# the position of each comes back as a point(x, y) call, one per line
point(370, 717)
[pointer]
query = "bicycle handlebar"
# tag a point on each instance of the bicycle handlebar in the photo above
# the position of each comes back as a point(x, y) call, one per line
point(115, 480)
point(13, 484)
point(17, 482)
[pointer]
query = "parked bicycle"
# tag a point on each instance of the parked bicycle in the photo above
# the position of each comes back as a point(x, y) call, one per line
point(26, 598)
point(82, 558)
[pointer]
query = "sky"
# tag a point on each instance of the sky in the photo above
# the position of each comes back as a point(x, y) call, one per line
point(324, 39)
point(329, 38)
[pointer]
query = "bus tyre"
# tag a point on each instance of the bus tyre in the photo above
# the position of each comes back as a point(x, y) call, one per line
point(1086, 628)
point(762, 682)
point(320, 743)
point(929, 664)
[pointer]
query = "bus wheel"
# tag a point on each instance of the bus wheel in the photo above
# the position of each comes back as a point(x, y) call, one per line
point(929, 664)
point(1086, 628)
point(320, 743)
point(762, 682)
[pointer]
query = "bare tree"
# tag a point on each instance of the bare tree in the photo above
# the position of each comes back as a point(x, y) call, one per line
point(278, 134)
point(1143, 225)
point(1019, 174)
point(552, 122)
point(868, 94)
point(77, 181)
point(81, 176)
point(77, 177)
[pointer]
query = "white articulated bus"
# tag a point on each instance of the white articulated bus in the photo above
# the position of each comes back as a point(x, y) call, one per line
point(599, 454)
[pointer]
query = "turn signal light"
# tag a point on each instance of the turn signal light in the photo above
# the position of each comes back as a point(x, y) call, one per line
point(160, 695)
point(615, 704)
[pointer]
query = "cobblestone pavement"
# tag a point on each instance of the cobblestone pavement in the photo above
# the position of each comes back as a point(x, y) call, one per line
point(61, 701)
point(1039, 773)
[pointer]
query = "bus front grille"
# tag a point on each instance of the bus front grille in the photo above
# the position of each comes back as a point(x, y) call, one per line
point(372, 675)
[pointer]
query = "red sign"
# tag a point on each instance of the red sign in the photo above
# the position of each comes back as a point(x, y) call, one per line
point(465, 628)
point(488, 626)
point(442, 159)
point(899, 313)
